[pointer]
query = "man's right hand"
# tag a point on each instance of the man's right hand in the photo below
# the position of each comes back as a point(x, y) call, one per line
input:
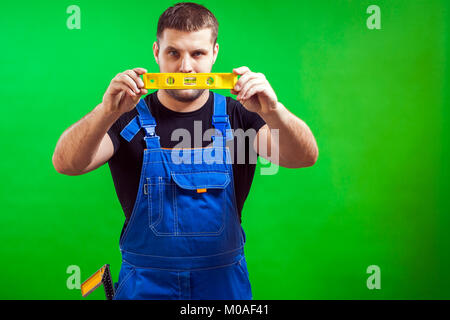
point(86, 145)
point(124, 91)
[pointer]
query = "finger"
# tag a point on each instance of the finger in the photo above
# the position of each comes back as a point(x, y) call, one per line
point(243, 93)
point(133, 75)
point(142, 92)
point(126, 79)
point(118, 86)
point(254, 90)
point(243, 80)
point(140, 71)
point(234, 92)
point(241, 70)
point(130, 92)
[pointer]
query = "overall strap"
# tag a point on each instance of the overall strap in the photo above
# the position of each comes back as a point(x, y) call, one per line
point(143, 120)
point(220, 118)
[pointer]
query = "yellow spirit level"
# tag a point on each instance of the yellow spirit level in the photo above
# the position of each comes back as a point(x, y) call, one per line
point(102, 276)
point(189, 80)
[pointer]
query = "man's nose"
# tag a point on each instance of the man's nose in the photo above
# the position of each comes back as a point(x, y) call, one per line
point(186, 66)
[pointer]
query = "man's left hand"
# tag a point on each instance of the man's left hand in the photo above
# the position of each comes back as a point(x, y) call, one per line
point(254, 91)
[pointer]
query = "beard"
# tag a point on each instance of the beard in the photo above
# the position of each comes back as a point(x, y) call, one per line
point(185, 95)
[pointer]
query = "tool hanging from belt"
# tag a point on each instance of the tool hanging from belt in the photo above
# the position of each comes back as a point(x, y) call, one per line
point(102, 276)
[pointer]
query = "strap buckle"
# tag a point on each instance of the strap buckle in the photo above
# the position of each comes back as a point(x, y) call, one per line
point(220, 119)
point(149, 126)
point(150, 130)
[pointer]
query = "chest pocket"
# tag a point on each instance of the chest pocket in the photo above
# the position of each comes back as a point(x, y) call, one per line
point(188, 204)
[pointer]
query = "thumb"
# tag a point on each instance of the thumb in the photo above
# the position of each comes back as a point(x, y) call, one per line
point(241, 70)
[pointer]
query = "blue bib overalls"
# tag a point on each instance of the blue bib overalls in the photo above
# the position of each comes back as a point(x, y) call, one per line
point(184, 239)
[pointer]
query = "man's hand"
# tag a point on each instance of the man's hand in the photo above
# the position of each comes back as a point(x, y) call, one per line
point(254, 91)
point(85, 145)
point(296, 146)
point(124, 91)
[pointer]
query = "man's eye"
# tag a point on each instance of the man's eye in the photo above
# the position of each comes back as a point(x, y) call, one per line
point(171, 53)
point(198, 53)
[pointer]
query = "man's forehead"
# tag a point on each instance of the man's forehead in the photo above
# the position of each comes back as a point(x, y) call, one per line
point(187, 40)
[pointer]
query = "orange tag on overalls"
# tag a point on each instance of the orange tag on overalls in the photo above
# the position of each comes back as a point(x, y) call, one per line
point(201, 190)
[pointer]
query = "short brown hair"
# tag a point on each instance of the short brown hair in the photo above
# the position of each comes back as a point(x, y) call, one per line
point(188, 16)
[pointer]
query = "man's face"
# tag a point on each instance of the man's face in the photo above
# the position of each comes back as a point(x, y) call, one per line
point(187, 52)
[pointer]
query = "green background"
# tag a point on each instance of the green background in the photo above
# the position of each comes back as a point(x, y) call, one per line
point(376, 101)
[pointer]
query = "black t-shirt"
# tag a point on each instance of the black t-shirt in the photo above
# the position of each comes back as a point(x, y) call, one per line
point(126, 163)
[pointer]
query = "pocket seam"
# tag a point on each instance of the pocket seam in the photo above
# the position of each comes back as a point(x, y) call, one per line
point(124, 281)
point(152, 203)
point(150, 188)
point(212, 186)
point(205, 233)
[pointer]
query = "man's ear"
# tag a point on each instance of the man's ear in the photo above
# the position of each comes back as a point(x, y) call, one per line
point(156, 51)
point(215, 52)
